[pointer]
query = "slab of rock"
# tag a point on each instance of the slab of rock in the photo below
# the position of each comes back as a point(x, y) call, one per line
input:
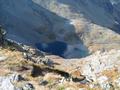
point(3, 58)
point(91, 67)
point(28, 86)
point(6, 83)
point(36, 56)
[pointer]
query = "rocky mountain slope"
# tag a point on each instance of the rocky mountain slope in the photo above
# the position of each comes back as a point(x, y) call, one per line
point(71, 24)
point(60, 45)
point(38, 71)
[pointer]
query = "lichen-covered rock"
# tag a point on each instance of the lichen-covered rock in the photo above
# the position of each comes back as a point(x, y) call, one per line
point(35, 56)
point(28, 86)
point(7, 83)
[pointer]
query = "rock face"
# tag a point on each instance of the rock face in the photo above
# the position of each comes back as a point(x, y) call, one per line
point(92, 65)
point(35, 56)
point(99, 71)
point(28, 86)
point(6, 83)
point(81, 26)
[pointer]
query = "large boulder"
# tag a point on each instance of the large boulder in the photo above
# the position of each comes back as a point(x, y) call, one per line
point(6, 83)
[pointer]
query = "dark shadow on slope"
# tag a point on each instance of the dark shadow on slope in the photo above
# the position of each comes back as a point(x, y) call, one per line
point(81, 6)
point(34, 35)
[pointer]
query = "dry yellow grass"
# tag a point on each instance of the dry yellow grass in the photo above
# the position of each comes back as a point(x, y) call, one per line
point(111, 74)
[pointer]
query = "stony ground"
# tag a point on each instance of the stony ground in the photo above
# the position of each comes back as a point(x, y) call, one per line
point(99, 71)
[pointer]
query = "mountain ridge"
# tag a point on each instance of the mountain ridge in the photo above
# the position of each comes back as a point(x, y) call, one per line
point(36, 21)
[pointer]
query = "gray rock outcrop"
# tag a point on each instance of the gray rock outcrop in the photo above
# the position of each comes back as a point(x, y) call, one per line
point(9, 83)
point(6, 83)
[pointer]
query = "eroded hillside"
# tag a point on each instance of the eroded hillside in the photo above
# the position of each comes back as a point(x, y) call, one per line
point(73, 23)
point(33, 70)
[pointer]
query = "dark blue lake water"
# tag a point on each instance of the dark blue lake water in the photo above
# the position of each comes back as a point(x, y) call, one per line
point(56, 48)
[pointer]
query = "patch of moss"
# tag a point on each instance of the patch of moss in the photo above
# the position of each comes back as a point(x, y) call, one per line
point(60, 88)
